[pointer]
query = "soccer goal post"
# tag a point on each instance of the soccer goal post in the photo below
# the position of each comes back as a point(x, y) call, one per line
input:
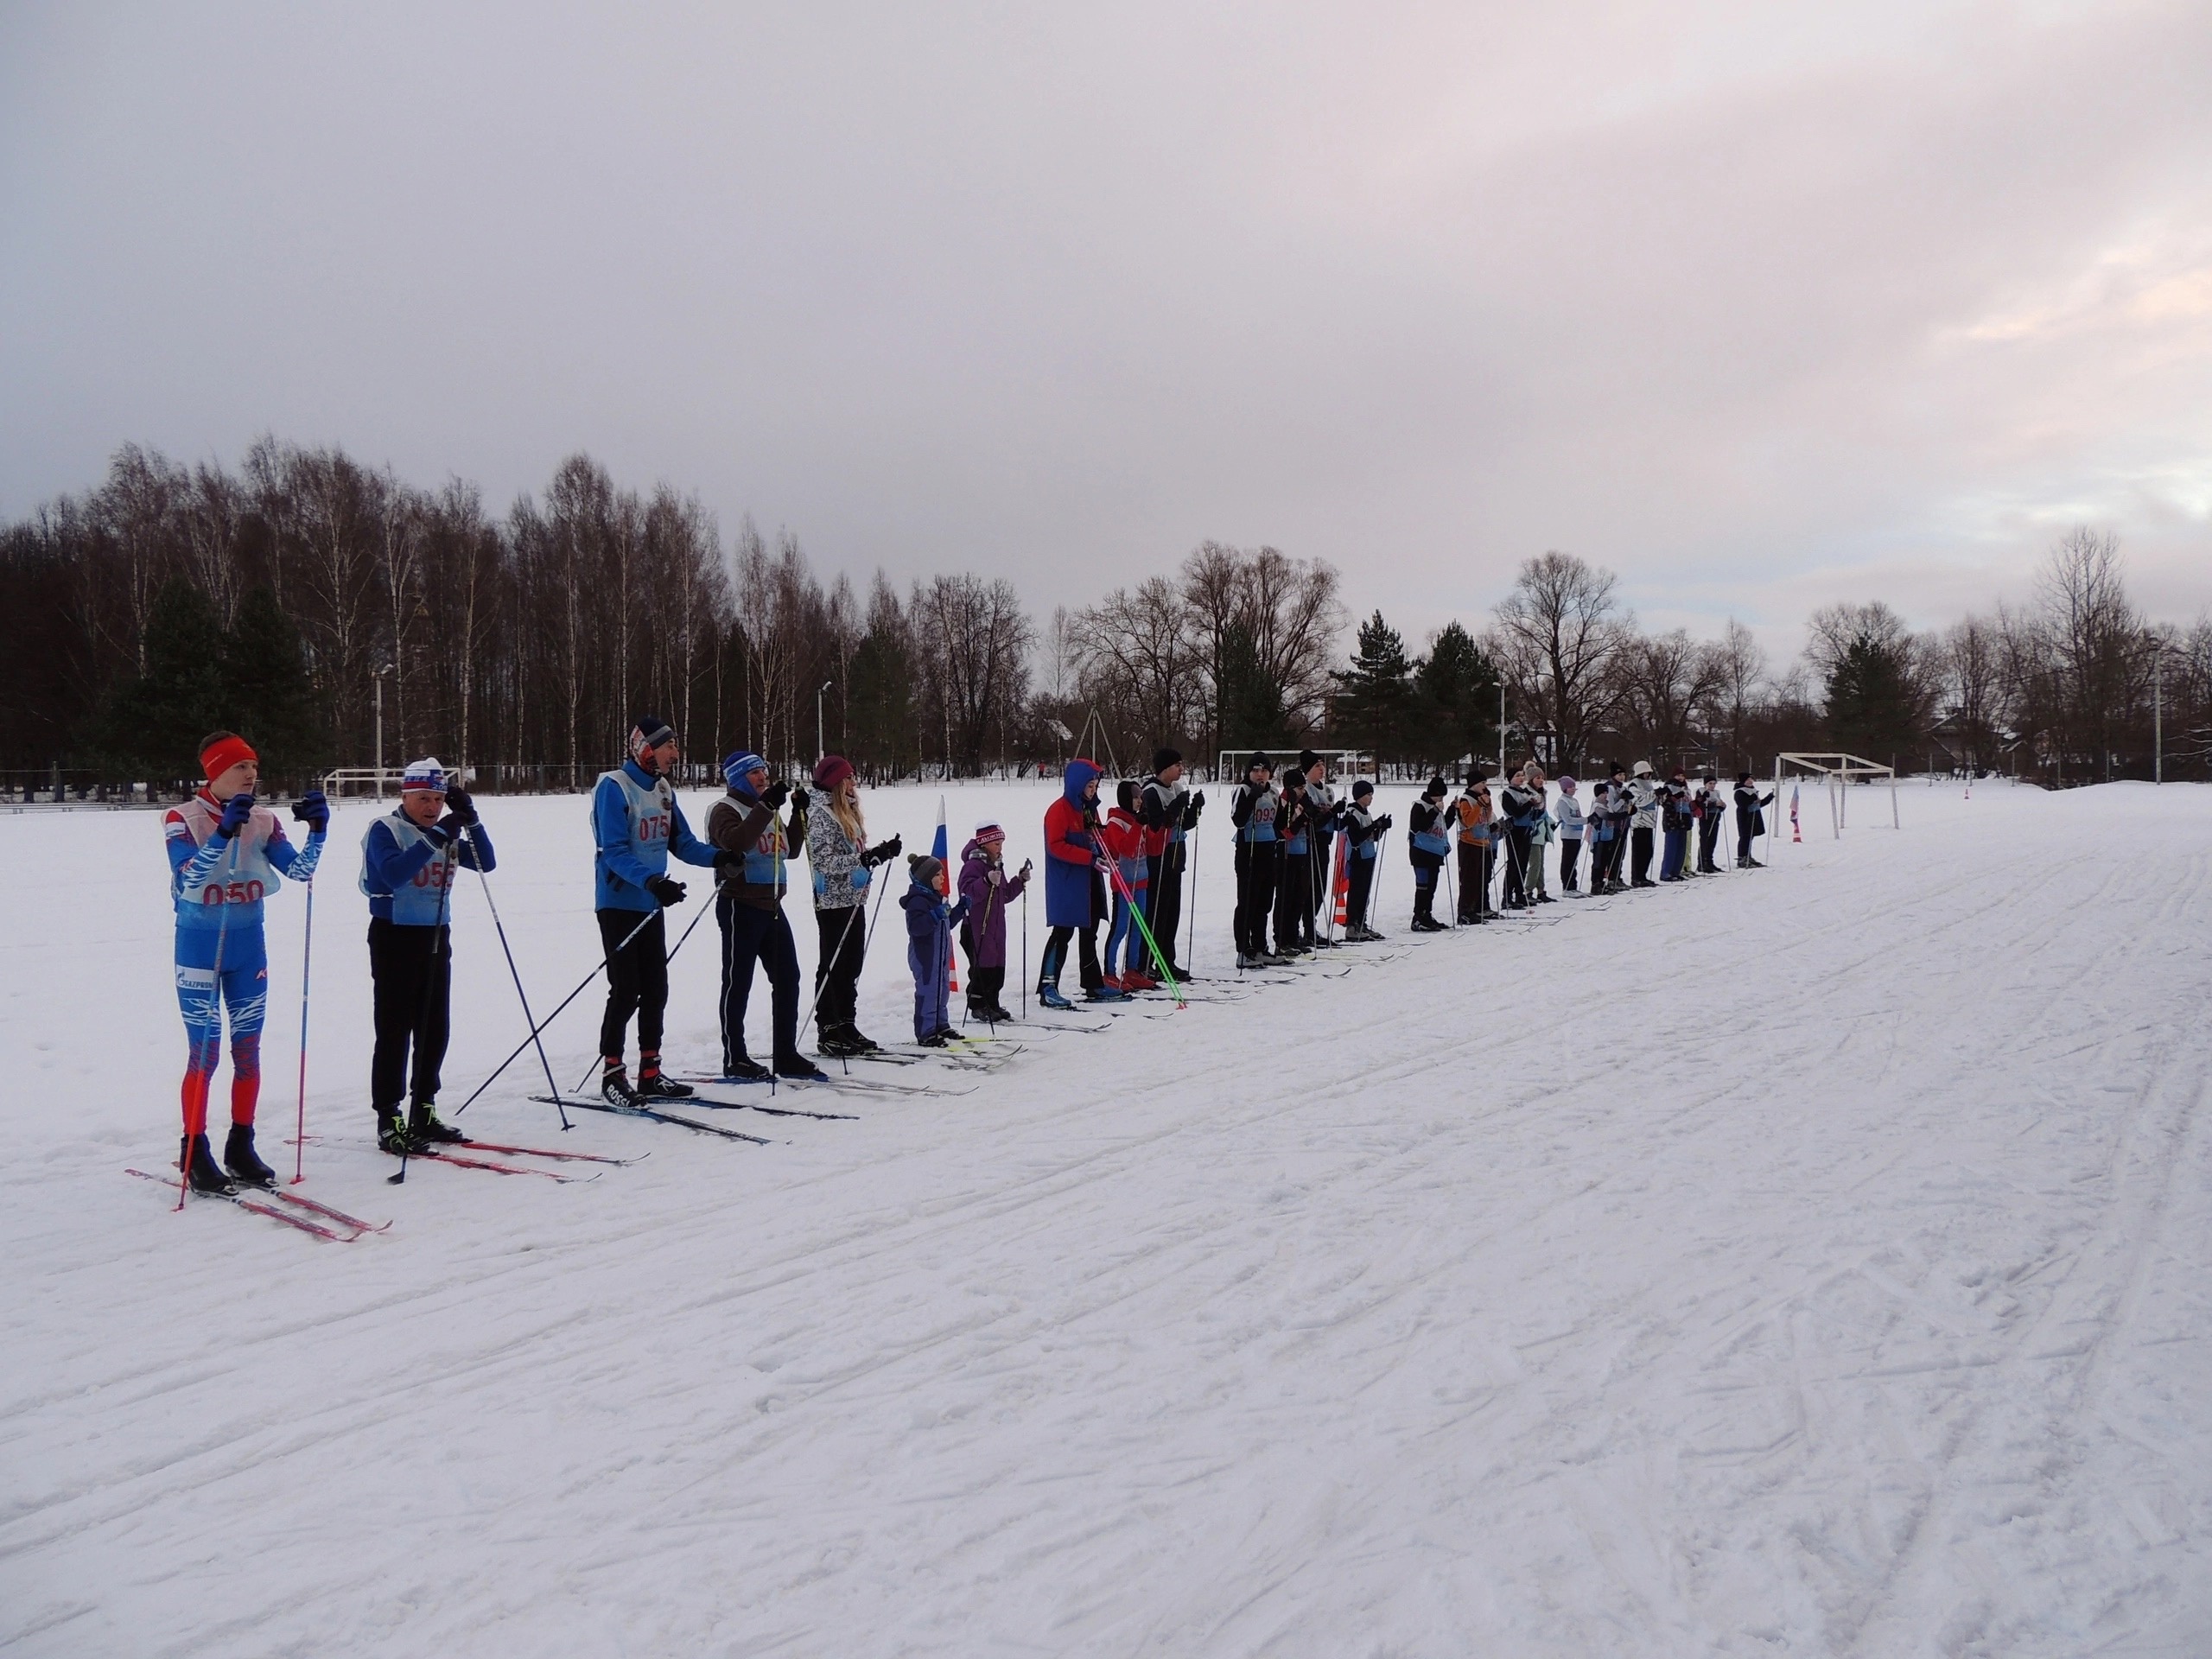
point(1836, 773)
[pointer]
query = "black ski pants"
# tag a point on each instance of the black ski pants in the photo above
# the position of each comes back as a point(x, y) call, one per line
point(1164, 897)
point(1569, 851)
point(837, 972)
point(1517, 847)
point(637, 979)
point(1744, 836)
point(1294, 902)
point(412, 970)
point(1257, 866)
point(1360, 873)
point(751, 935)
point(1474, 880)
point(1708, 838)
point(986, 986)
point(1055, 956)
point(1639, 852)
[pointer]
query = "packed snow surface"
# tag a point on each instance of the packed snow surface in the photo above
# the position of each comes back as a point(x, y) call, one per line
point(1811, 1261)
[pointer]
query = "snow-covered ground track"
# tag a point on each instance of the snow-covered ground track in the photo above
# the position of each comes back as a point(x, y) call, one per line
point(1816, 1261)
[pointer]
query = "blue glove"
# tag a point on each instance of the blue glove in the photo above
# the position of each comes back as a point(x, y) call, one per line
point(313, 811)
point(236, 811)
point(862, 876)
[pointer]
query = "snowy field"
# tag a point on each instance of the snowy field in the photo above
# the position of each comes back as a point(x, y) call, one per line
point(1814, 1261)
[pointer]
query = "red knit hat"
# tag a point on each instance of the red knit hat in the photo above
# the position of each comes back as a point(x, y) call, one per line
point(225, 752)
point(830, 771)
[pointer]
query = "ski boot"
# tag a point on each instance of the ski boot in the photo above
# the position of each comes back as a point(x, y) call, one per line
point(614, 1087)
point(1104, 991)
point(1049, 996)
point(244, 1163)
point(800, 1069)
point(745, 1070)
point(201, 1173)
point(424, 1129)
point(934, 1039)
point(392, 1136)
point(652, 1086)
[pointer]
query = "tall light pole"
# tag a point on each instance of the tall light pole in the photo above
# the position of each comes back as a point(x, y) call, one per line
point(821, 748)
point(2159, 714)
point(383, 668)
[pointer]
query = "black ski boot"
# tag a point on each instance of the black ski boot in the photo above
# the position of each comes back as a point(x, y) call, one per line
point(745, 1069)
point(392, 1136)
point(201, 1173)
point(244, 1163)
point(652, 1086)
point(799, 1068)
point(841, 1042)
point(424, 1129)
point(614, 1087)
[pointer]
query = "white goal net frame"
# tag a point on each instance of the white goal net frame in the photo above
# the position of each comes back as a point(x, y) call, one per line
point(1837, 771)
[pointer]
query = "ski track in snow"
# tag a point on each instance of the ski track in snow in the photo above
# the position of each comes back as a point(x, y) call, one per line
point(1812, 1261)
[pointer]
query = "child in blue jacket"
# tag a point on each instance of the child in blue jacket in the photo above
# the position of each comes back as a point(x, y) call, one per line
point(929, 947)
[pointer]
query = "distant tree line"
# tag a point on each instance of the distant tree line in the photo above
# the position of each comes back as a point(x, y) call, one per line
point(290, 596)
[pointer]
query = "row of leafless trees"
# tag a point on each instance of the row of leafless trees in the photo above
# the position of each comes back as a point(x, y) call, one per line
point(2074, 686)
point(528, 642)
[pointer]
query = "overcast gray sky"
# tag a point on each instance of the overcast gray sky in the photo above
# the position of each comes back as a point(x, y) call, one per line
point(1760, 305)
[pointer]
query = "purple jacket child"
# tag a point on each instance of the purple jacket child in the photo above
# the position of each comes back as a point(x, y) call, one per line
point(982, 936)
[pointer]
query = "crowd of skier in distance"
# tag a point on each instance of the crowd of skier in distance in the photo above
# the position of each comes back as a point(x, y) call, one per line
point(1122, 867)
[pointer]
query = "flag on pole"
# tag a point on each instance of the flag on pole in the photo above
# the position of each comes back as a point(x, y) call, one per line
point(1341, 880)
point(940, 849)
point(1795, 834)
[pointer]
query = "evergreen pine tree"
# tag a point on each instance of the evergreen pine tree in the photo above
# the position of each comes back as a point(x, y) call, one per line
point(1457, 687)
point(153, 721)
point(1872, 710)
point(267, 692)
point(1254, 711)
point(1374, 704)
point(879, 702)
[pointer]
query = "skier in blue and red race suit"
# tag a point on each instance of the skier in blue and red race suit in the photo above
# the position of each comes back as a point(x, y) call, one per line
point(227, 856)
point(408, 860)
point(636, 824)
point(1074, 894)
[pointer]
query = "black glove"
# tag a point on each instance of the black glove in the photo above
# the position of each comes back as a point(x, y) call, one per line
point(726, 862)
point(453, 824)
point(236, 811)
point(884, 852)
point(313, 811)
point(669, 892)
point(799, 798)
point(460, 808)
point(1384, 822)
point(1190, 813)
point(776, 795)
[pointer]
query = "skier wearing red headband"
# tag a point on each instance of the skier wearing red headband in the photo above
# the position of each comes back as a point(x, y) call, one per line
point(227, 856)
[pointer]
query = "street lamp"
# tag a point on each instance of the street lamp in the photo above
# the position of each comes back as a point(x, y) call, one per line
point(821, 748)
point(381, 671)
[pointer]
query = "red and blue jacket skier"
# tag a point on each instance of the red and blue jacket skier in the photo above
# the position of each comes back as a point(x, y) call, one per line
point(227, 856)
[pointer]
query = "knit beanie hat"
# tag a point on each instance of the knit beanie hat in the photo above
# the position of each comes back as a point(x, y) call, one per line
point(648, 732)
point(426, 773)
point(1164, 758)
point(1307, 759)
point(735, 768)
point(990, 829)
point(1125, 794)
point(1260, 758)
point(830, 771)
point(924, 868)
point(1362, 790)
point(1437, 790)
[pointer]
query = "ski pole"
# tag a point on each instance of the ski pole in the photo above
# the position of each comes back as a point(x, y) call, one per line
point(307, 964)
point(522, 995)
point(555, 1014)
point(1137, 916)
point(215, 1011)
point(447, 860)
point(822, 973)
point(673, 948)
point(1192, 847)
point(1449, 858)
point(1025, 953)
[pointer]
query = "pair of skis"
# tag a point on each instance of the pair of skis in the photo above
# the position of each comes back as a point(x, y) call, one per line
point(305, 1214)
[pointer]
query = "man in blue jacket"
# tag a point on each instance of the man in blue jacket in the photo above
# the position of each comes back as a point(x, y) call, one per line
point(637, 825)
point(408, 860)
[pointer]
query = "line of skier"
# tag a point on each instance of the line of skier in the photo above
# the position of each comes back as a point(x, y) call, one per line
point(1122, 867)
